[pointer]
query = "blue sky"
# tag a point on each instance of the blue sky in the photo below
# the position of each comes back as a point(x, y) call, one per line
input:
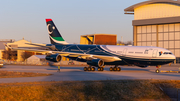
point(26, 18)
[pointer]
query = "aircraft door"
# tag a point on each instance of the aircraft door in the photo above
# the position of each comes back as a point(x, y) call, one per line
point(154, 54)
point(124, 51)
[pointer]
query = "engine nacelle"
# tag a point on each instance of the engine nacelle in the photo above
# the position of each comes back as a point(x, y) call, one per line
point(54, 57)
point(96, 62)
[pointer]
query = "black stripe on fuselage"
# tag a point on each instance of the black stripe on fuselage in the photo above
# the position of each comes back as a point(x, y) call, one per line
point(143, 61)
point(87, 49)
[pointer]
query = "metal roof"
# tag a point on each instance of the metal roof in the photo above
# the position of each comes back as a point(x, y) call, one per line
point(40, 56)
point(131, 8)
point(97, 34)
point(2, 41)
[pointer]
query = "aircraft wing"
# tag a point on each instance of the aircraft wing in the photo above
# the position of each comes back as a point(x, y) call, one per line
point(72, 54)
point(31, 50)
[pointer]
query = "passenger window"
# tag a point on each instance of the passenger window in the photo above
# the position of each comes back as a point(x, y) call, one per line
point(139, 52)
point(131, 52)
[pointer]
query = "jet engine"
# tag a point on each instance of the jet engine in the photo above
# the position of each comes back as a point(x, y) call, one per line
point(96, 62)
point(54, 57)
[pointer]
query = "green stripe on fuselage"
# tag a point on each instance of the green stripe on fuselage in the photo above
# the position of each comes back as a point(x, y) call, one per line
point(58, 38)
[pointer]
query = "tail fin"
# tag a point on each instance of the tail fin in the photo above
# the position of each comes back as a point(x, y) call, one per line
point(54, 35)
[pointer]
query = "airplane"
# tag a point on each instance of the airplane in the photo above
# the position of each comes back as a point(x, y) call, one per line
point(101, 55)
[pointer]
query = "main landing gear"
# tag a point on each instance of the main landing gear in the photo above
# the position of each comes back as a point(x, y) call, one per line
point(93, 68)
point(115, 68)
point(158, 67)
point(89, 68)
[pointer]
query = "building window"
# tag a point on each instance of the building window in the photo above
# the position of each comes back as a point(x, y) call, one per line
point(160, 28)
point(138, 29)
point(160, 44)
point(171, 27)
point(171, 36)
point(177, 35)
point(166, 36)
point(177, 27)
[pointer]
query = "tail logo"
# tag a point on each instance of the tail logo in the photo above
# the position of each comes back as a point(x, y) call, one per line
point(50, 28)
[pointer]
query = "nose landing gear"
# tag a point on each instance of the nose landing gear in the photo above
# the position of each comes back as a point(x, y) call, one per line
point(157, 70)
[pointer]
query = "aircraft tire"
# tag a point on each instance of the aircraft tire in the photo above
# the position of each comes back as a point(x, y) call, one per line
point(85, 68)
point(89, 68)
point(102, 69)
point(115, 68)
point(99, 69)
point(111, 69)
point(92, 69)
point(118, 68)
point(157, 71)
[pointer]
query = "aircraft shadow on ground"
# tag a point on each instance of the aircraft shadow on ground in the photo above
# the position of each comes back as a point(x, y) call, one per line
point(135, 69)
point(62, 67)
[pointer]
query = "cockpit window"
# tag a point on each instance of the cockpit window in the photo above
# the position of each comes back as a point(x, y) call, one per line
point(167, 53)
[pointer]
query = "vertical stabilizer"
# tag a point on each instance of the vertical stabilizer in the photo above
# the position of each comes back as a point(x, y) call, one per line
point(54, 35)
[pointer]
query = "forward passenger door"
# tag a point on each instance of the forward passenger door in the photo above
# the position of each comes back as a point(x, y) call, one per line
point(154, 54)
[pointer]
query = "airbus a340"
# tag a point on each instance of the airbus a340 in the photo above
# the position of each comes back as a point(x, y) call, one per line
point(101, 55)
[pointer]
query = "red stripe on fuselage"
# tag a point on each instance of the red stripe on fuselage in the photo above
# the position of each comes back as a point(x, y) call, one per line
point(47, 20)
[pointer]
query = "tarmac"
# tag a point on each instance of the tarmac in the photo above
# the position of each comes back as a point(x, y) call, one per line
point(74, 73)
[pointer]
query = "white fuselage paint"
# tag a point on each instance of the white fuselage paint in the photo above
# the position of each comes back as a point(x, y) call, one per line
point(139, 52)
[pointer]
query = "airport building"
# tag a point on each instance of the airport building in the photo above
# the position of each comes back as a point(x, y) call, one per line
point(157, 23)
point(99, 39)
point(2, 48)
point(20, 55)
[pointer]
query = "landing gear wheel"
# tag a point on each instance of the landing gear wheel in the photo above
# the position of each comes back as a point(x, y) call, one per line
point(89, 68)
point(157, 71)
point(102, 69)
point(118, 68)
point(115, 69)
point(85, 68)
point(111, 69)
point(158, 67)
point(92, 69)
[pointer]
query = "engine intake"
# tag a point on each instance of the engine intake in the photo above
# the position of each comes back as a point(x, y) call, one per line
point(96, 62)
point(54, 57)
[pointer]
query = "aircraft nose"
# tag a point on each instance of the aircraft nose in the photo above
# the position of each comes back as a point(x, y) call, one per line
point(173, 57)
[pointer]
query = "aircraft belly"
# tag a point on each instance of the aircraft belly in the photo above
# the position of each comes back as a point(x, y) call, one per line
point(146, 61)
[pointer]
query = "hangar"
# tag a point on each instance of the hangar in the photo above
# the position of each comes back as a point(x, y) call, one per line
point(157, 23)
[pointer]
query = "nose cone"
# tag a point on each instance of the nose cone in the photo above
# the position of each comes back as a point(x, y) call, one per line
point(172, 58)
